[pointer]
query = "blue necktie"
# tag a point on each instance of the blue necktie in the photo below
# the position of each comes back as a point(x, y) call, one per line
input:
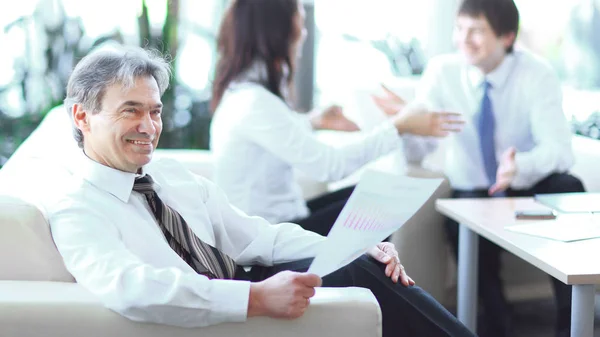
point(486, 135)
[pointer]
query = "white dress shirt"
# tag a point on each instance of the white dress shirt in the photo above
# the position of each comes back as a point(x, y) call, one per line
point(527, 104)
point(112, 245)
point(258, 141)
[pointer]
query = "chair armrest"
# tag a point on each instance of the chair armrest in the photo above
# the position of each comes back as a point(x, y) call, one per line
point(31, 309)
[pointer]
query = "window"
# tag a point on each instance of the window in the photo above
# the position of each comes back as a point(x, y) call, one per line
point(43, 39)
point(566, 35)
point(361, 43)
point(384, 35)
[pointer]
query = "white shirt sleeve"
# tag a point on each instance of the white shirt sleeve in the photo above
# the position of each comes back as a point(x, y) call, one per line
point(272, 125)
point(551, 134)
point(96, 256)
point(253, 240)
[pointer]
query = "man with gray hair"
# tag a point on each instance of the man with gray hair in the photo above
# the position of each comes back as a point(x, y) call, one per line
point(159, 244)
point(93, 75)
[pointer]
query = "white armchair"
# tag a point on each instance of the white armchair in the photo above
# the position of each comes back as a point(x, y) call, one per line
point(38, 297)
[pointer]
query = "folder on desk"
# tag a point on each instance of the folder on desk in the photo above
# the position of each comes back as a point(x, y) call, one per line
point(566, 227)
point(571, 202)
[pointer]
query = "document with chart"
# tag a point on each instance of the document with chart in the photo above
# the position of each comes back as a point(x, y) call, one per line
point(380, 204)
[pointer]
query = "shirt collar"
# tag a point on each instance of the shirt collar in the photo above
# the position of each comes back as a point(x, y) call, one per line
point(108, 179)
point(497, 78)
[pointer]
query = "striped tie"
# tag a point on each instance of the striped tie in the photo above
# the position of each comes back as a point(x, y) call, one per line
point(202, 257)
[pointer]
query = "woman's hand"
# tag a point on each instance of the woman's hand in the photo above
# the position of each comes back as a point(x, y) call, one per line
point(332, 118)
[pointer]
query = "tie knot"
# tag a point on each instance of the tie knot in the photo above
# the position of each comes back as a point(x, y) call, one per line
point(144, 185)
point(487, 85)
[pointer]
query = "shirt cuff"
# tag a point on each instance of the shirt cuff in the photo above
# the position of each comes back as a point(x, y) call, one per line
point(388, 128)
point(230, 300)
point(522, 179)
point(392, 138)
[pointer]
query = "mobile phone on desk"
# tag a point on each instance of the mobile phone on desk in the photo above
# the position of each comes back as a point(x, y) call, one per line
point(535, 215)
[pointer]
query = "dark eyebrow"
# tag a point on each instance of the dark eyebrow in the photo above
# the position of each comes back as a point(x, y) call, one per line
point(139, 104)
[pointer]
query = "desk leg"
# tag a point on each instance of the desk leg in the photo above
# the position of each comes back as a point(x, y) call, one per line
point(468, 249)
point(582, 314)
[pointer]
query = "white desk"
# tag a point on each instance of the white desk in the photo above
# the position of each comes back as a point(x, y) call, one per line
point(576, 263)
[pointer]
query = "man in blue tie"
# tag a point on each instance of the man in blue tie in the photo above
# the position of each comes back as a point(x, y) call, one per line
point(515, 142)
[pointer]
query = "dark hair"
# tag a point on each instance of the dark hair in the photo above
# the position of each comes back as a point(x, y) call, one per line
point(502, 15)
point(255, 31)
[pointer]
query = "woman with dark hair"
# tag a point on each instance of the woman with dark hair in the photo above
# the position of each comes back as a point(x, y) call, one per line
point(257, 139)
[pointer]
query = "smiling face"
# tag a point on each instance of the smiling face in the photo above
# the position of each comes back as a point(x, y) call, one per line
point(479, 44)
point(125, 133)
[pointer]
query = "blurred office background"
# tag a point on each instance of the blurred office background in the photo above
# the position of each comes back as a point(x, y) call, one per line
point(353, 45)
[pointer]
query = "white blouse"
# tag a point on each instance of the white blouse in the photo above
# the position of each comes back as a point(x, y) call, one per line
point(257, 141)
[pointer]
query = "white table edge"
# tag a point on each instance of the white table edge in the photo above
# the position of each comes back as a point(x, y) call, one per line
point(576, 279)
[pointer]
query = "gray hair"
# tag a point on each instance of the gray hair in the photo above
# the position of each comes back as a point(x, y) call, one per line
point(105, 67)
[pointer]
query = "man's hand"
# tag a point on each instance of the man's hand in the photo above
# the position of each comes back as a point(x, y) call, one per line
point(284, 295)
point(506, 172)
point(389, 103)
point(386, 253)
point(332, 118)
point(424, 123)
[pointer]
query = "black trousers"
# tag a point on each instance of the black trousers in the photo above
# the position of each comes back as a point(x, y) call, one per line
point(496, 315)
point(324, 210)
point(407, 311)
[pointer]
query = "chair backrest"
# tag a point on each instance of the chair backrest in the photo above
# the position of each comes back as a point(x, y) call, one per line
point(27, 251)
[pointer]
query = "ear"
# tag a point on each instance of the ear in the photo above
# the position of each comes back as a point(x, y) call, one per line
point(80, 117)
point(508, 39)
